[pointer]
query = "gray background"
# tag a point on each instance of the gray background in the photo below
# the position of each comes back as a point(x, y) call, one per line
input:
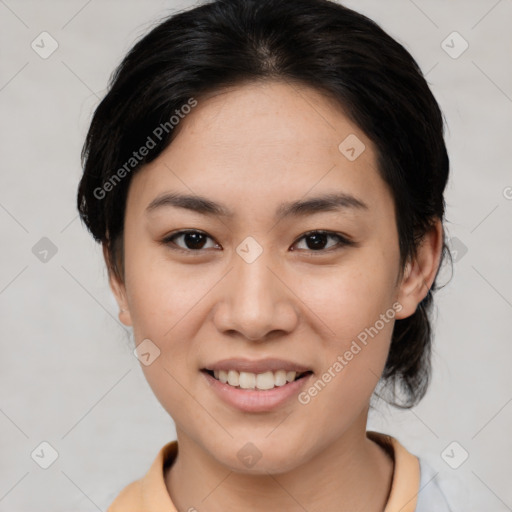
point(68, 374)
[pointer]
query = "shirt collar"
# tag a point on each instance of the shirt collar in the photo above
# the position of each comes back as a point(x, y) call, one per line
point(406, 475)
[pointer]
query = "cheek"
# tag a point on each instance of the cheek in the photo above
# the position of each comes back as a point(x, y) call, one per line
point(354, 304)
point(352, 362)
point(161, 293)
point(163, 311)
point(349, 298)
point(164, 303)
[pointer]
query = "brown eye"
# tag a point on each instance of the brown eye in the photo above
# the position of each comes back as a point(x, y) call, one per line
point(317, 240)
point(192, 240)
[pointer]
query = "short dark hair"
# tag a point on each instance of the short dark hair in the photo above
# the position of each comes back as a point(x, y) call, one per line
point(318, 43)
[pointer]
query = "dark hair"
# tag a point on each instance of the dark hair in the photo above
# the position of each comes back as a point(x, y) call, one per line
point(318, 43)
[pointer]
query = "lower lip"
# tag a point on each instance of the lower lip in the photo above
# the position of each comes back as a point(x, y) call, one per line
point(253, 400)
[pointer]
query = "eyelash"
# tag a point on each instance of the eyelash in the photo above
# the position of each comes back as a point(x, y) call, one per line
point(342, 241)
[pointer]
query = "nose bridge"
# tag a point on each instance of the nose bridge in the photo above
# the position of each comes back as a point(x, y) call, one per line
point(255, 301)
point(254, 282)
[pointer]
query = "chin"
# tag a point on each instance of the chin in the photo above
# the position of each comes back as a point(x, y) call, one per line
point(264, 467)
point(261, 457)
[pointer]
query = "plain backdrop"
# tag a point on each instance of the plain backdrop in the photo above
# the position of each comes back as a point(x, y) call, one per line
point(68, 374)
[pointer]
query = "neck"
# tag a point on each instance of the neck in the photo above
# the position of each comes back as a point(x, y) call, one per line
point(354, 473)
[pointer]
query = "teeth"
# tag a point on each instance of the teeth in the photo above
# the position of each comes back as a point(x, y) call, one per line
point(233, 378)
point(248, 380)
point(280, 378)
point(265, 380)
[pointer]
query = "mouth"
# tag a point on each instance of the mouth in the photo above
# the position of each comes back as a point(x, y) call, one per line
point(256, 381)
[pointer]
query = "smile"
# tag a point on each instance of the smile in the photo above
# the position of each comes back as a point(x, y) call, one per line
point(261, 381)
point(253, 399)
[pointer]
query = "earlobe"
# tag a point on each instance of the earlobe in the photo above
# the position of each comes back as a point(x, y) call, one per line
point(125, 317)
point(119, 291)
point(420, 272)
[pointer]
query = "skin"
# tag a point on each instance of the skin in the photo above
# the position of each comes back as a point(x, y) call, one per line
point(252, 147)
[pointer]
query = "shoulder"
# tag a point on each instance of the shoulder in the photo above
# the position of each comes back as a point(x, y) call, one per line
point(149, 493)
point(439, 490)
point(128, 499)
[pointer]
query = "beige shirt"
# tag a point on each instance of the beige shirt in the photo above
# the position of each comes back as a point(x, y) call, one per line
point(149, 494)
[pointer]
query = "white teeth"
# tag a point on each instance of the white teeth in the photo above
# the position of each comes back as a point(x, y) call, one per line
point(248, 380)
point(280, 378)
point(233, 378)
point(265, 380)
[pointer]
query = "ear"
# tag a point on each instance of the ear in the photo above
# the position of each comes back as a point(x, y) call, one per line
point(420, 273)
point(119, 291)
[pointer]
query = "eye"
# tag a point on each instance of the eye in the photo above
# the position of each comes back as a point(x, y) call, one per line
point(317, 240)
point(192, 239)
point(195, 241)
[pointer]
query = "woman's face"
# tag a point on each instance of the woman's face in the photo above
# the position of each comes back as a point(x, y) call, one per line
point(257, 283)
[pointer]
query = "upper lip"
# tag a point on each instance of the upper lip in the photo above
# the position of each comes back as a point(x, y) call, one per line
point(256, 366)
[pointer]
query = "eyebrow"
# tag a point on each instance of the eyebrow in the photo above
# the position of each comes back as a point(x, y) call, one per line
point(204, 206)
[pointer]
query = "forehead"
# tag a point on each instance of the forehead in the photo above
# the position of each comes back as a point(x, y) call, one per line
point(257, 116)
point(265, 140)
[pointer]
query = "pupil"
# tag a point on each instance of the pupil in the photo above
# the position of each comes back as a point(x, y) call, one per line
point(191, 240)
point(319, 239)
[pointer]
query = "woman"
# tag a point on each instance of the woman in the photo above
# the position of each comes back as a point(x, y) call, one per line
point(266, 179)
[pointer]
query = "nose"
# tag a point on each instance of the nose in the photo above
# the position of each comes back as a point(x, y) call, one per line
point(255, 300)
